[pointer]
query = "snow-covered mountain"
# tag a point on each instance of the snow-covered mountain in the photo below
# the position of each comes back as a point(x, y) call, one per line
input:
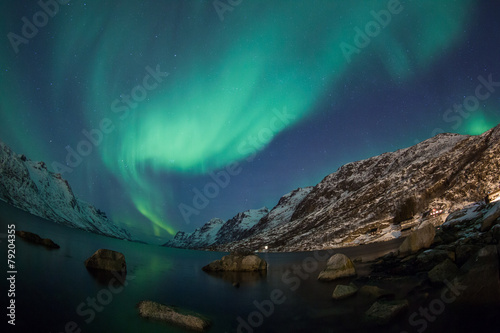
point(217, 231)
point(234, 229)
point(281, 213)
point(31, 187)
point(242, 225)
point(200, 238)
point(366, 197)
point(364, 201)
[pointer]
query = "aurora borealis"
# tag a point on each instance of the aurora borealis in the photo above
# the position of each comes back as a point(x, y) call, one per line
point(256, 97)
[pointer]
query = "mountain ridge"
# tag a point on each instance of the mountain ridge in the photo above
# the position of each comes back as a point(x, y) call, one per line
point(30, 186)
point(376, 194)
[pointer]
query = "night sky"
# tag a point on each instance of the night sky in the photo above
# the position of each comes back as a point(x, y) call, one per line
point(141, 104)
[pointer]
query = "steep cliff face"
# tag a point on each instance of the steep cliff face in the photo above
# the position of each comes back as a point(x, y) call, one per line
point(31, 187)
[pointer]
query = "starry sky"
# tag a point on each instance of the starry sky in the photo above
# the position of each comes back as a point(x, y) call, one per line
point(167, 113)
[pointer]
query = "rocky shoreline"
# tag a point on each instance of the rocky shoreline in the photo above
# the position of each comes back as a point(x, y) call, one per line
point(458, 264)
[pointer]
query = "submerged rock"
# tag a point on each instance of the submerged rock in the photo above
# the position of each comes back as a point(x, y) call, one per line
point(374, 292)
point(382, 312)
point(173, 315)
point(35, 239)
point(237, 263)
point(107, 260)
point(342, 291)
point(421, 238)
point(338, 266)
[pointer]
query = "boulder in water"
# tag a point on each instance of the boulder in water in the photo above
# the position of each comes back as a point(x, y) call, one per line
point(237, 263)
point(172, 315)
point(107, 260)
point(338, 266)
point(35, 239)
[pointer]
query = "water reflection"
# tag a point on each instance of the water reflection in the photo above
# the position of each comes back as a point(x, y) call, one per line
point(240, 278)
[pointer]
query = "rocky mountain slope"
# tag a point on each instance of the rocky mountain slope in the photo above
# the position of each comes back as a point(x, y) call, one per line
point(31, 187)
point(365, 201)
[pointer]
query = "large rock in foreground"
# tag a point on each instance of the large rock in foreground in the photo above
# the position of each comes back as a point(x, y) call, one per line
point(338, 266)
point(237, 263)
point(35, 239)
point(421, 238)
point(171, 315)
point(107, 260)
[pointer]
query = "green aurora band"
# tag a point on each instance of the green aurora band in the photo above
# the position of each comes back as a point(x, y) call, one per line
point(226, 78)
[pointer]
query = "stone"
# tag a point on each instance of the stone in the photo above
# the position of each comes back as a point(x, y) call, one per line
point(479, 284)
point(446, 270)
point(373, 292)
point(495, 232)
point(107, 260)
point(464, 252)
point(430, 258)
point(491, 218)
point(338, 266)
point(35, 239)
point(421, 238)
point(382, 312)
point(342, 291)
point(173, 315)
point(237, 263)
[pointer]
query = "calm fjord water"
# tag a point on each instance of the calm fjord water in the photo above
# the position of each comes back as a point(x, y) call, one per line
point(54, 292)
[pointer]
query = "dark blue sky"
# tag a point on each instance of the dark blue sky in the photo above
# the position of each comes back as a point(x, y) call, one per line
point(138, 104)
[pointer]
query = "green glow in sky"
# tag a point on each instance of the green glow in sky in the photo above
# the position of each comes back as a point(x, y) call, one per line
point(226, 78)
point(478, 123)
